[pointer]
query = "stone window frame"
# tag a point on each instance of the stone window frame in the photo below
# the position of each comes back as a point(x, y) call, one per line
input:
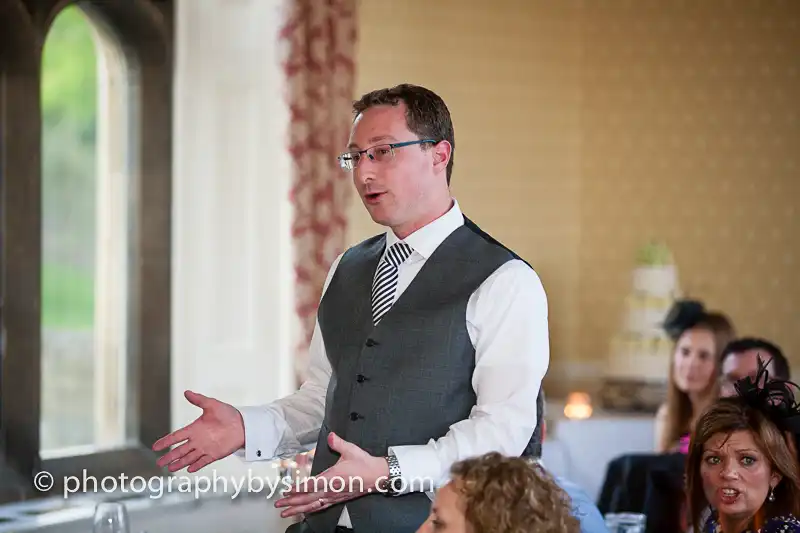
point(145, 32)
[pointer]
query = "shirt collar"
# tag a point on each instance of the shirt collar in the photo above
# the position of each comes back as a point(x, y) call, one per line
point(425, 240)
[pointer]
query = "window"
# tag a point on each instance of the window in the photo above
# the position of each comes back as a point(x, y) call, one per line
point(85, 240)
point(86, 237)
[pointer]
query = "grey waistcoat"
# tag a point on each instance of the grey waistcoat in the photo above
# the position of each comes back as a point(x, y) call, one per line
point(407, 380)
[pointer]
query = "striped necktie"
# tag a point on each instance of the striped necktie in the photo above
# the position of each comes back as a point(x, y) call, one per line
point(385, 283)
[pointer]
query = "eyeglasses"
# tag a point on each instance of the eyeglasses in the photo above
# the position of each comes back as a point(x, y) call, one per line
point(380, 153)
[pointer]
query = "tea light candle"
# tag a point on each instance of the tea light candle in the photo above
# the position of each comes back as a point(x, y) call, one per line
point(579, 406)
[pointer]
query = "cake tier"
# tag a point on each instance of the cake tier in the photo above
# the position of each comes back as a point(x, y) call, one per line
point(657, 281)
point(644, 315)
point(640, 357)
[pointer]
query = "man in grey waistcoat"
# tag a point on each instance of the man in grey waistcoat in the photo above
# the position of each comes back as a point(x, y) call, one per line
point(430, 346)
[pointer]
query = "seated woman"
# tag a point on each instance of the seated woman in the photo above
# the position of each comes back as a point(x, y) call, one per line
point(497, 494)
point(743, 462)
point(700, 337)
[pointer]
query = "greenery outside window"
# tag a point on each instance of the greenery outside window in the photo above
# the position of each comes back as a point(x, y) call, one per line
point(85, 164)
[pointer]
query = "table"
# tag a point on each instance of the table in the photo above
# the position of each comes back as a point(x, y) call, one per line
point(580, 450)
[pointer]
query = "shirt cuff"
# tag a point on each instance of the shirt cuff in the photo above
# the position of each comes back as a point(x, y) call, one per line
point(262, 433)
point(420, 469)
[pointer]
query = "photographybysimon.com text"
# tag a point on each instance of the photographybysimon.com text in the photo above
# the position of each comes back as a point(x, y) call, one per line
point(199, 485)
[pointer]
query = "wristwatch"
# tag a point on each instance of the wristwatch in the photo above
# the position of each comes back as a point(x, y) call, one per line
point(392, 485)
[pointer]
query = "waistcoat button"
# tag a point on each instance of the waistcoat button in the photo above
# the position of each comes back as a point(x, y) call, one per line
point(354, 416)
point(371, 342)
point(361, 378)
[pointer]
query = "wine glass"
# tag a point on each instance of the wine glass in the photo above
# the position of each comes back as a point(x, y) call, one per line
point(111, 517)
point(626, 522)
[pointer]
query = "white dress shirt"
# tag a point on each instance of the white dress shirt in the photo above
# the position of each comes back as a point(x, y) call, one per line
point(507, 322)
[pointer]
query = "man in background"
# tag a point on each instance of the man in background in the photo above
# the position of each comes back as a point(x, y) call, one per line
point(740, 360)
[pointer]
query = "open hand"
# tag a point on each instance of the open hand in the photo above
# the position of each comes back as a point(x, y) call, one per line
point(216, 434)
point(355, 473)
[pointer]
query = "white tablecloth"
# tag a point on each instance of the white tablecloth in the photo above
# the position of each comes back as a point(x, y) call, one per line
point(580, 450)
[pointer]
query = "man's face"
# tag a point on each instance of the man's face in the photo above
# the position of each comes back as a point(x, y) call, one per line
point(739, 365)
point(398, 189)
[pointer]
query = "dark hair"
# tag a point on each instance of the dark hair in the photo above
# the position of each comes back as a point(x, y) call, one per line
point(779, 361)
point(427, 115)
point(684, 315)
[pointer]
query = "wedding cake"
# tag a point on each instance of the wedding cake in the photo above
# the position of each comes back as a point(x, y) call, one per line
point(641, 351)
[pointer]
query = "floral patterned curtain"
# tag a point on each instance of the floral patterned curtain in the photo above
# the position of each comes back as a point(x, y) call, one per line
point(320, 42)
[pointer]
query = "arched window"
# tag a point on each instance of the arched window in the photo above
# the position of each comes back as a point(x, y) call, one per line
point(85, 165)
point(85, 237)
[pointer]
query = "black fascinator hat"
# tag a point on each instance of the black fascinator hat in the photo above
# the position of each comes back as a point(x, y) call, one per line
point(776, 398)
point(684, 314)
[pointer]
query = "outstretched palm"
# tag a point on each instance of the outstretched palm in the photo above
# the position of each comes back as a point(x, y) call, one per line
point(216, 434)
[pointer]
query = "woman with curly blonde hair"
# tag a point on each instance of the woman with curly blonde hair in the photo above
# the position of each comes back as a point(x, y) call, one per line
point(498, 494)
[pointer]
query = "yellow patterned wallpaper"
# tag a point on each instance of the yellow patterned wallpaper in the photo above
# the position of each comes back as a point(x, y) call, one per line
point(691, 128)
point(584, 129)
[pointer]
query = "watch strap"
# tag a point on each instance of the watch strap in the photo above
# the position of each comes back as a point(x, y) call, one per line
point(392, 485)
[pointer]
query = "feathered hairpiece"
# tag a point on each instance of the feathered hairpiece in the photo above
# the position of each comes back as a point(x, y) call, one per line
point(773, 397)
point(683, 315)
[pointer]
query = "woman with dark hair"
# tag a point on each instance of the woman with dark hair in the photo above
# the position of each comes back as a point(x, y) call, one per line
point(743, 463)
point(700, 337)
